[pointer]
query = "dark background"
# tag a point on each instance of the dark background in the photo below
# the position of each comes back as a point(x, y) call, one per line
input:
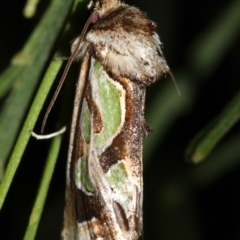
point(181, 200)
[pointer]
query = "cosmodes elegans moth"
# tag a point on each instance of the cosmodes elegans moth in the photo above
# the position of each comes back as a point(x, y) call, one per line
point(120, 54)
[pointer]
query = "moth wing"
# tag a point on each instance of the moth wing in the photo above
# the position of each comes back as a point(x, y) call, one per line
point(70, 228)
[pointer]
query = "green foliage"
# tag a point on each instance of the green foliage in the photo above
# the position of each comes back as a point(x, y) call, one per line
point(187, 126)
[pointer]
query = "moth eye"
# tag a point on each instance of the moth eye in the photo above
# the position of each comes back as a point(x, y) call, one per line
point(95, 18)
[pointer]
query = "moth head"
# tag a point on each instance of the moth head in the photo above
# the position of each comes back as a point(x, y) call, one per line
point(103, 8)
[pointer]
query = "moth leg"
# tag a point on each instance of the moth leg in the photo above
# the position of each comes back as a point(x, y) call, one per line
point(146, 129)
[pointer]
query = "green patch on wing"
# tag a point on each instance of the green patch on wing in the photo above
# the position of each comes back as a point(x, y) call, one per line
point(108, 99)
point(97, 69)
point(85, 122)
point(82, 176)
point(117, 175)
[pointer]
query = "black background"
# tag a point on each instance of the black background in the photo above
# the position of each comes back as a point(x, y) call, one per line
point(175, 206)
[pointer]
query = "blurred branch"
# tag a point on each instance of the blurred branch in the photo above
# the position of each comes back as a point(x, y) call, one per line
point(208, 138)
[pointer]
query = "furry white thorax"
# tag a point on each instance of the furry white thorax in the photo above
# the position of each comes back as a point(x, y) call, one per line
point(123, 48)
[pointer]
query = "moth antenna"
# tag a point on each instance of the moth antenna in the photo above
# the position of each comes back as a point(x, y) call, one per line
point(51, 135)
point(173, 78)
point(175, 83)
point(69, 63)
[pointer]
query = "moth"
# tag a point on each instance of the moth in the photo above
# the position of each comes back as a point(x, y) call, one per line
point(120, 54)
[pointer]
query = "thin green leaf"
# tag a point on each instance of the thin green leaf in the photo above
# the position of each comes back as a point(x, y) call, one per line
point(208, 138)
point(8, 77)
point(30, 63)
point(205, 55)
point(43, 189)
point(30, 8)
point(27, 127)
point(208, 50)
